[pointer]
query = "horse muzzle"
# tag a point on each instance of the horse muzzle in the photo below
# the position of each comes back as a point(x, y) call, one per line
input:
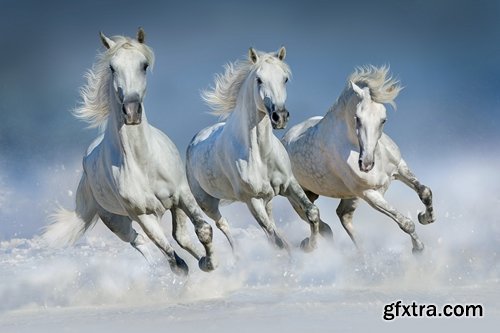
point(366, 164)
point(132, 112)
point(279, 118)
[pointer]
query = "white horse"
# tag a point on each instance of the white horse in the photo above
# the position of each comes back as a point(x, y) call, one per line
point(241, 159)
point(132, 172)
point(346, 155)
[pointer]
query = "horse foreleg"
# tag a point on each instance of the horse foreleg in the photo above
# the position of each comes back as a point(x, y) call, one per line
point(151, 226)
point(122, 227)
point(203, 231)
point(345, 211)
point(425, 194)
point(307, 209)
point(180, 232)
point(259, 211)
point(377, 201)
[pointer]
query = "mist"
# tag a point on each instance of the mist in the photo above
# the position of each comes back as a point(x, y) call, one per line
point(446, 124)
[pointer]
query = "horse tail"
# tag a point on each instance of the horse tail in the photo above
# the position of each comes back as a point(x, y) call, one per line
point(65, 228)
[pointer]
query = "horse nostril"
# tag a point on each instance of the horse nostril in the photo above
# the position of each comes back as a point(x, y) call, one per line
point(139, 109)
point(275, 117)
point(287, 114)
point(124, 110)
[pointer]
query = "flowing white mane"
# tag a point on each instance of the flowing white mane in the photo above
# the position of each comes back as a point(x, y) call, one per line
point(94, 107)
point(383, 87)
point(222, 98)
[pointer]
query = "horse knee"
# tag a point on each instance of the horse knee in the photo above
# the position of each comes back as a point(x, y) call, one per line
point(204, 233)
point(312, 213)
point(425, 195)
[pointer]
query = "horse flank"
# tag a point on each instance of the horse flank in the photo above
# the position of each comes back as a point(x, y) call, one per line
point(222, 98)
point(94, 107)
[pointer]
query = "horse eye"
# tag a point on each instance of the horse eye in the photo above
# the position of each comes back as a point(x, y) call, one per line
point(145, 67)
point(383, 121)
point(286, 80)
point(259, 81)
point(112, 69)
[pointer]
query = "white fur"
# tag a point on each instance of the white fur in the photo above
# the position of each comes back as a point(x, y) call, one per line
point(241, 159)
point(132, 171)
point(346, 155)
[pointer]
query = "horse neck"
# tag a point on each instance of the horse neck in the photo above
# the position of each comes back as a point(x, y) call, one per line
point(340, 118)
point(249, 125)
point(130, 140)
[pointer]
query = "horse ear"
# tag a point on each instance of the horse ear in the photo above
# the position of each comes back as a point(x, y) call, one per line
point(360, 92)
point(141, 35)
point(281, 53)
point(252, 55)
point(107, 42)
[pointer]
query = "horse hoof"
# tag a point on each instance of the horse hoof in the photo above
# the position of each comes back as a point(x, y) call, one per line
point(206, 265)
point(179, 267)
point(325, 231)
point(306, 245)
point(424, 218)
point(418, 248)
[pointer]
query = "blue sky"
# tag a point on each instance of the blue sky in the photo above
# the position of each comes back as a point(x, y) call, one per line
point(446, 54)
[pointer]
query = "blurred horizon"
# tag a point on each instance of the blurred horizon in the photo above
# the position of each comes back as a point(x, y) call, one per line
point(445, 53)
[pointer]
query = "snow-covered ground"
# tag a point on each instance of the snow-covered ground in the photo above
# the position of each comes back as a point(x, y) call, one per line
point(104, 285)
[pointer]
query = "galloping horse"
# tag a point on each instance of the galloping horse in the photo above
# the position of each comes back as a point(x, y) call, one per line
point(241, 159)
point(346, 155)
point(132, 171)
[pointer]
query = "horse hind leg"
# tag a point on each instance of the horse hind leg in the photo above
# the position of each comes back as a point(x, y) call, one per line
point(345, 211)
point(151, 226)
point(309, 213)
point(203, 230)
point(210, 205)
point(324, 228)
point(122, 227)
point(377, 201)
point(425, 194)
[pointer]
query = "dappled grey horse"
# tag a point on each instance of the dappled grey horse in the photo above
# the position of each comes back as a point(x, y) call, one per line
point(346, 155)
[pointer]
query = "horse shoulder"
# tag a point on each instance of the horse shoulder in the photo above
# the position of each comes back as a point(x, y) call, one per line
point(391, 150)
point(167, 175)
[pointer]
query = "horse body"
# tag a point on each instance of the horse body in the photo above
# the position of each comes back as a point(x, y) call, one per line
point(334, 172)
point(346, 155)
point(241, 159)
point(132, 172)
point(139, 178)
point(261, 168)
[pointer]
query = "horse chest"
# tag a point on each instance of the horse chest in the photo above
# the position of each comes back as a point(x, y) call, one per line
point(254, 178)
point(116, 187)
